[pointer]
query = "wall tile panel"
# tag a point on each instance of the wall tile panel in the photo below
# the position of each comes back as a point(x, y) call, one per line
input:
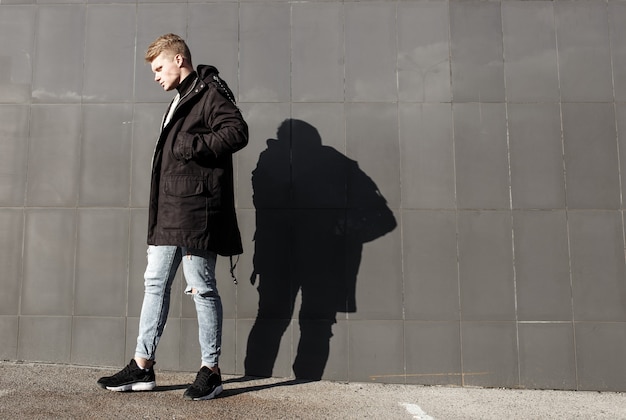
point(109, 53)
point(372, 141)
point(433, 353)
point(536, 153)
point(264, 52)
point(547, 356)
point(14, 133)
point(11, 241)
point(265, 347)
point(481, 156)
point(431, 280)
point(600, 351)
point(338, 361)
point(264, 121)
point(584, 53)
point(107, 142)
point(370, 340)
point(378, 282)
point(45, 339)
point(16, 52)
point(427, 156)
point(49, 258)
point(597, 258)
point(370, 33)
point(101, 262)
point(328, 119)
point(317, 51)
point(620, 115)
point(9, 332)
point(486, 266)
point(60, 44)
point(54, 155)
point(591, 156)
point(476, 51)
point(98, 341)
point(542, 272)
point(489, 354)
point(423, 29)
point(530, 67)
point(617, 17)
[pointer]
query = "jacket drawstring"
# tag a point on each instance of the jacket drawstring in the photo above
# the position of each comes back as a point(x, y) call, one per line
point(232, 268)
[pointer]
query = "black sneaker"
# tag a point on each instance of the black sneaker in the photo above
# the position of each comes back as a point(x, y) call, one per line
point(208, 385)
point(131, 378)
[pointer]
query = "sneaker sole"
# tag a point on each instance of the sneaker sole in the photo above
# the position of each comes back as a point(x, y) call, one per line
point(217, 391)
point(137, 386)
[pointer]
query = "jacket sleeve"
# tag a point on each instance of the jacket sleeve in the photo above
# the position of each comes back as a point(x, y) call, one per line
point(227, 131)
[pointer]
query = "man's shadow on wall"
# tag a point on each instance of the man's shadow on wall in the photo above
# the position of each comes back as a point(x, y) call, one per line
point(314, 210)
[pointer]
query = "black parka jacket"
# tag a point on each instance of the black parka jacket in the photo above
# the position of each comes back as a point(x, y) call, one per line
point(191, 196)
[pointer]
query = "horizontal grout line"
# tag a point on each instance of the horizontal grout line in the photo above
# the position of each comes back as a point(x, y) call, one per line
point(416, 375)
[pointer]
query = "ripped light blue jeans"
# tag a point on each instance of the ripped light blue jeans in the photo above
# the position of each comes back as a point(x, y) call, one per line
point(199, 271)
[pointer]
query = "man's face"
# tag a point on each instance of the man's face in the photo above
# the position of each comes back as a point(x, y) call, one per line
point(167, 70)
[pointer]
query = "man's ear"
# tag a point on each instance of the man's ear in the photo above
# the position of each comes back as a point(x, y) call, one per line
point(179, 60)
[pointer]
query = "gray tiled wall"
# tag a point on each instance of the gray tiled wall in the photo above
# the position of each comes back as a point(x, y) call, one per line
point(494, 130)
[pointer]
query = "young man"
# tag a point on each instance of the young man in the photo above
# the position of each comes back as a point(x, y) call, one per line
point(191, 212)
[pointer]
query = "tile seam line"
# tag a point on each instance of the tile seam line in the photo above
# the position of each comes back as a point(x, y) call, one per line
point(566, 201)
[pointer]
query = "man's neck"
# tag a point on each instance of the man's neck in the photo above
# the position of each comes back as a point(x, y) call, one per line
point(187, 78)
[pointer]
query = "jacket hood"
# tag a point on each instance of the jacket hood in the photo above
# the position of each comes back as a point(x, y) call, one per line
point(205, 71)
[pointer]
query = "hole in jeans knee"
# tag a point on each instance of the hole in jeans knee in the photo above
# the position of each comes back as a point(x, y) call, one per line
point(190, 291)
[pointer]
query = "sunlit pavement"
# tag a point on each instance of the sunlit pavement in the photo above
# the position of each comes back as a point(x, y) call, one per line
point(47, 391)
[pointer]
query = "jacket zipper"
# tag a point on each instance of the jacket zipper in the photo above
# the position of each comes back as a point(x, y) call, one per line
point(195, 82)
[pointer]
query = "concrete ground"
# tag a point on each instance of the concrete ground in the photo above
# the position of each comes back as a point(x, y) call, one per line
point(46, 391)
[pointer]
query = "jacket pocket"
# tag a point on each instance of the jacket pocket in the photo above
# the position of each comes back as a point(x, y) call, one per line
point(185, 203)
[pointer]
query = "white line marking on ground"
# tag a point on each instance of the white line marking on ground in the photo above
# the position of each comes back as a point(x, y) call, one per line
point(416, 411)
point(5, 392)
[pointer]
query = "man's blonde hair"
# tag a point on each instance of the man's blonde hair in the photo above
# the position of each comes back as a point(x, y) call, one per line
point(170, 43)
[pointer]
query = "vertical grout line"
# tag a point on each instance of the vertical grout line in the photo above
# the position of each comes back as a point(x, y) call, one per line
point(617, 131)
point(292, 321)
point(187, 23)
point(345, 147)
point(128, 272)
point(28, 146)
point(24, 226)
point(400, 204)
point(238, 75)
point(181, 281)
point(238, 96)
point(512, 217)
point(130, 190)
point(133, 114)
point(456, 206)
point(564, 168)
point(81, 132)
